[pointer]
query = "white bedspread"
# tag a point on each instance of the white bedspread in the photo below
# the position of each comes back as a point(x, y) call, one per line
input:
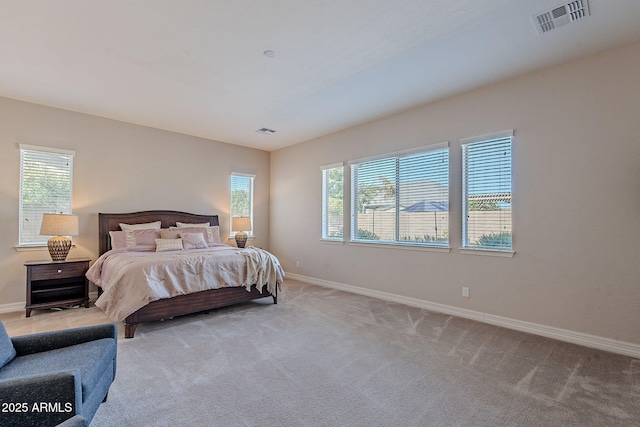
point(132, 279)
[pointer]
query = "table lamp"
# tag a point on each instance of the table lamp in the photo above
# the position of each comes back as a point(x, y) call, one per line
point(60, 226)
point(240, 224)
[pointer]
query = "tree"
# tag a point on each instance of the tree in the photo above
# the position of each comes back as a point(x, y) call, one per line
point(336, 191)
point(368, 193)
point(240, 202)
point(39, 189)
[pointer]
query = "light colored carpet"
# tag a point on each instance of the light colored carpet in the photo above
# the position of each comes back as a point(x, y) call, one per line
point(323, 357)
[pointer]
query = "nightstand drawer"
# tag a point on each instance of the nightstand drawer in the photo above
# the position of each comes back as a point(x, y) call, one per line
point(58, 271)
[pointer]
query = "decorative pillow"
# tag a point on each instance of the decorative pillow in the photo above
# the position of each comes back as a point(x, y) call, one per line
point(168, 245)
point(215, 233)
point(7, 351)
point(118, 239)
point(147, 226)
point(141, 237)
point(130, 238)
point(211, 234)
point(193, 241)
point(165, 233)
point(186, 224)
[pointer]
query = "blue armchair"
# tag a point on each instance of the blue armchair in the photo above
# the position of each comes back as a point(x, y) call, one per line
point(56, 377)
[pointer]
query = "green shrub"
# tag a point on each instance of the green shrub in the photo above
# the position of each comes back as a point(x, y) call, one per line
point(498, 240)
point(425, 238)
point(367, 235)
point(362, 234)
point(337, 234)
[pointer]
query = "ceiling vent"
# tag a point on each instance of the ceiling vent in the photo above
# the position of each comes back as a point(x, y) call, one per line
point(266, 131)
point(561, 15)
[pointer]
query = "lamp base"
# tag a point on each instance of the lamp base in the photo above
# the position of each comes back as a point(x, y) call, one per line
point(241, 239)
point(59, 247)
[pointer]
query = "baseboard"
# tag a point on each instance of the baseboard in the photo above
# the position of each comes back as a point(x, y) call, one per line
point(19, 306)
point(11, 307)
point(592, 341)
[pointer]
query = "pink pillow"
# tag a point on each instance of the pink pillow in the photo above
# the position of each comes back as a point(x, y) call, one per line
point(131, 238)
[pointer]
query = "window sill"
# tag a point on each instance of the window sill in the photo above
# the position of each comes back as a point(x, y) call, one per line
point(333, 241)
point(33, 248)
point(487, 252)
point(404, 246)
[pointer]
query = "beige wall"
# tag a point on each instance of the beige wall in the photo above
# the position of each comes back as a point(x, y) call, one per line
point(118, 167)
point(576, 203)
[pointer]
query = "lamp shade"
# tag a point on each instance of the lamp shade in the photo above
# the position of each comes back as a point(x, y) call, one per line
point(241, 223)
point(59, 225)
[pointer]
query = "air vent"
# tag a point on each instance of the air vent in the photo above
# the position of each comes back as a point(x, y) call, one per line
point(561, 15)
point(266, 131)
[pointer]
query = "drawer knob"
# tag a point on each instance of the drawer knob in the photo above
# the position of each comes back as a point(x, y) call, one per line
point(59, 271)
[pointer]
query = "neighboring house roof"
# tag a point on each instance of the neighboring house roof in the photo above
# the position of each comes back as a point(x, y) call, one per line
point(414, 192)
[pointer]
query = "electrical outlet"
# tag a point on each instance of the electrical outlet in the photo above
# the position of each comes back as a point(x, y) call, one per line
point(297, 263)
point(465, 292)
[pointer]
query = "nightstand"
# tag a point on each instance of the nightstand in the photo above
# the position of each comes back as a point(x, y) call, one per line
point(53, 284)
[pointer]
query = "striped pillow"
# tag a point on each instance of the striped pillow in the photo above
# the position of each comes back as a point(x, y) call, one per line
point(168, 245)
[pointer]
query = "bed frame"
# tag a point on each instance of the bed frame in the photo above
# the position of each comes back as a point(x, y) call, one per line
point(182, 304)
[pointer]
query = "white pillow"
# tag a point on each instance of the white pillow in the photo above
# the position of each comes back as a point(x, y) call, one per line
point(147, 226)
point(168, 245)
point(186, 224)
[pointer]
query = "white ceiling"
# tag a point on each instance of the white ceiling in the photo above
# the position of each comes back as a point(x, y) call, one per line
point(197, 66)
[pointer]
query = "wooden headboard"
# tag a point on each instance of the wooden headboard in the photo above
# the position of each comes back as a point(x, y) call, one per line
point(111, 222)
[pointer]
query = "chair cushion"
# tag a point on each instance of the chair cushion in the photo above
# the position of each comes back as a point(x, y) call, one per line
point(90, 358)
point(7, 352)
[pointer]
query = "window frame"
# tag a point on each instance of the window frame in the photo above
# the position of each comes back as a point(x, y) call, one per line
point(251, 178)
point(325, 221)
point(467, 247)
point(397, 156)
point(51, 157)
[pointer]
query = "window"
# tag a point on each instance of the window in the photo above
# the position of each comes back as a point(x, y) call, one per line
point(486, 187)
point(242, 198)
point(45, 187)
point(332, 202)
point(402, 198)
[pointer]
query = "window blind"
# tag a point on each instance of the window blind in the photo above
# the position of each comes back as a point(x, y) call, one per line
point(332, 202)
point(242, 197)
point(45, 187)
point(487, 194)
point(402, 198)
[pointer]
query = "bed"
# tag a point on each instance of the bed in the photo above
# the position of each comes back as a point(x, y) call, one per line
point(186, 303)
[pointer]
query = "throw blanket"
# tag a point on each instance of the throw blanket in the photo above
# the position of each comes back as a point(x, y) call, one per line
point(263, 268)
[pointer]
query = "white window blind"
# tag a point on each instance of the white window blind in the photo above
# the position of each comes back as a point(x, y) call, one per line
point(486, 187)
point(333, 202)
point(242, 197)
point(45, 187)
point(402, 198)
